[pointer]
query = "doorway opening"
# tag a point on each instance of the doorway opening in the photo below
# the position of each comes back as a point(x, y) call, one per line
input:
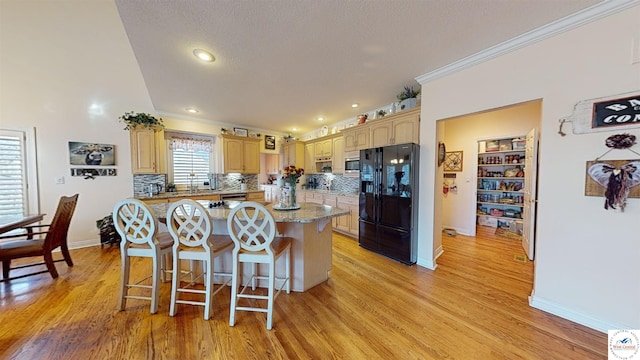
point(460, 208)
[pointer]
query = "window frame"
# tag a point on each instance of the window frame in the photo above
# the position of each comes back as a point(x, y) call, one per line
point(30, 168)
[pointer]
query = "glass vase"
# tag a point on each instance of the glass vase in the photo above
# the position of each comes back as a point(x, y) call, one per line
point(292, 195)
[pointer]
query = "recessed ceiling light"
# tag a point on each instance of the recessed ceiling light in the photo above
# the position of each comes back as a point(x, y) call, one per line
point(321, 119)
point(204, 55)
point(294, 129)
point(354, 105)
point(192, 110)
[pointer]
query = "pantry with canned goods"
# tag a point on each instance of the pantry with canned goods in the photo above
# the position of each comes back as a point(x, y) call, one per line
point(500, 195)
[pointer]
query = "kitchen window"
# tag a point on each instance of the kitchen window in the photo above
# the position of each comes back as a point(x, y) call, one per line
point(189, 158)
point(18, 187)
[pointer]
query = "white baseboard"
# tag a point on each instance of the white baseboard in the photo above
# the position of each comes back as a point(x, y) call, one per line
point(84, 243)
point(577, 317)
point(429, 264)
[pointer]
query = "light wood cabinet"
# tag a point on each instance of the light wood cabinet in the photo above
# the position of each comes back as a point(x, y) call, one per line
point(338, 155)
point(348, 223)
point(256, 196)
point(400, 128)
point(143, 151)
point(309, 159)
point(323, 148)
point(356, 138)
point(241, 155)
point(293, 154)
point(272, 164)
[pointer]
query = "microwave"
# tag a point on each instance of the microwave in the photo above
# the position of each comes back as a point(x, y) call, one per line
point(352, 164)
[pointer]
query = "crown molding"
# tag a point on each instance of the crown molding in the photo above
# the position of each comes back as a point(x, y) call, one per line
point(593, 13)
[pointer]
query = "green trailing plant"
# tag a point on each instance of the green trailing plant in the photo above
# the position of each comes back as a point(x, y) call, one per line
point(408, 93)
point(135, 120)
point(381, 113)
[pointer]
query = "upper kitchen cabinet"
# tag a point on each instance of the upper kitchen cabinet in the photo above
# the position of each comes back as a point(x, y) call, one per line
point(338, 155)
point(144, 151)
point(356, 138)
point(309, 158)
point(272, 164)
point(323, 148)
point(400, 128)
point(293, 153)
point(241, 154)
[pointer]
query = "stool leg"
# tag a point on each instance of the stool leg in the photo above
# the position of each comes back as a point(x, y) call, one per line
point(175, 284)
point(155, 285)
point(208, 312)
point(234, 290)
point(124, 278)
point(272, 288)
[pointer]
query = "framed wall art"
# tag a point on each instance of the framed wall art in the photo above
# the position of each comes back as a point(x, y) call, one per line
point(82, 153)
point(240, 132)
point(269, 142)
point(453, 161)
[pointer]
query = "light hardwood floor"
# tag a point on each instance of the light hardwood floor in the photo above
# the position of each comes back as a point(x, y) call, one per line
point(474, 306)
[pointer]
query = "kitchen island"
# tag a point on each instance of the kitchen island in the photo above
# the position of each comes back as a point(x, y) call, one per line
point(310, 227)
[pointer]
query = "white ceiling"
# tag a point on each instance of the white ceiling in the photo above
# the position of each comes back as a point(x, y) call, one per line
point(283, 63)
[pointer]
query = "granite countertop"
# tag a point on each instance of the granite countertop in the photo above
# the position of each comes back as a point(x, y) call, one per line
point(322, 191)
point(307, 213)
point(333, 192)
point(168, 195)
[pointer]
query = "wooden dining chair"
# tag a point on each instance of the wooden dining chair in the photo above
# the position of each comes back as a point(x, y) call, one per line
point(40, 241)
point(253, 231)
point(193, 240)
point(138, 229)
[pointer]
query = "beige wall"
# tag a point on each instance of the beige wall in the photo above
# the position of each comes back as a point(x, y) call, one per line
point(462, 134)
point(67, 70)
point(587, 258)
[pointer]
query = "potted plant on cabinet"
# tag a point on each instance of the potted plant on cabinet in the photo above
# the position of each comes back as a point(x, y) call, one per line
point(407, 98)
point(135, 120)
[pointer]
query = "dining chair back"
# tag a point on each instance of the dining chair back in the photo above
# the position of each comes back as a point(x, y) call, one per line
point(191, 229)
point(40, 240)
point(138, 229)
point(253, 231)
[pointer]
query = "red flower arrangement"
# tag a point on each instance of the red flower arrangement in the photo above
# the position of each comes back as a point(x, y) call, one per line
point(291, 173)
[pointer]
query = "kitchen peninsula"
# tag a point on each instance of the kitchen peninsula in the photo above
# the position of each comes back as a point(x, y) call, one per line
point(310, 227)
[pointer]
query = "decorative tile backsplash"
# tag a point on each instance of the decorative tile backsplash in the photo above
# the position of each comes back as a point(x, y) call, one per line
point(232, 182)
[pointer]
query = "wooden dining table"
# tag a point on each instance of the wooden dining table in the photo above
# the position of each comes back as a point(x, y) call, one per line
point(12, 222)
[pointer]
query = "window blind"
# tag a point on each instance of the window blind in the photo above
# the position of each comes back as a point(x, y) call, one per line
point(13, 182)
point(188, 165)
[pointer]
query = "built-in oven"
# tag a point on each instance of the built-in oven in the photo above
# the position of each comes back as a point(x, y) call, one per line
point(352, 163)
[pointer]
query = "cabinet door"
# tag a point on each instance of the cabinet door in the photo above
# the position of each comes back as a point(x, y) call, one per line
point(143, 151)
point(272, 163)
point(233, 155)
point(327, 148)
point(362, 138)
point(349, 140)
point(251, 157)
point(381, 135)
point(353, 217)
point(338, 155)
point(406, 130)
point(256, 196)
point(309, 159)
point(317, 148)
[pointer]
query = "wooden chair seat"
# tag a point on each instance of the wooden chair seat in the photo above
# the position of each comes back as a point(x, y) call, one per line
point(54, 235)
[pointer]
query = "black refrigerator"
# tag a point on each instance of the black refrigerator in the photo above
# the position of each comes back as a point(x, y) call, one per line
point(388, 201)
